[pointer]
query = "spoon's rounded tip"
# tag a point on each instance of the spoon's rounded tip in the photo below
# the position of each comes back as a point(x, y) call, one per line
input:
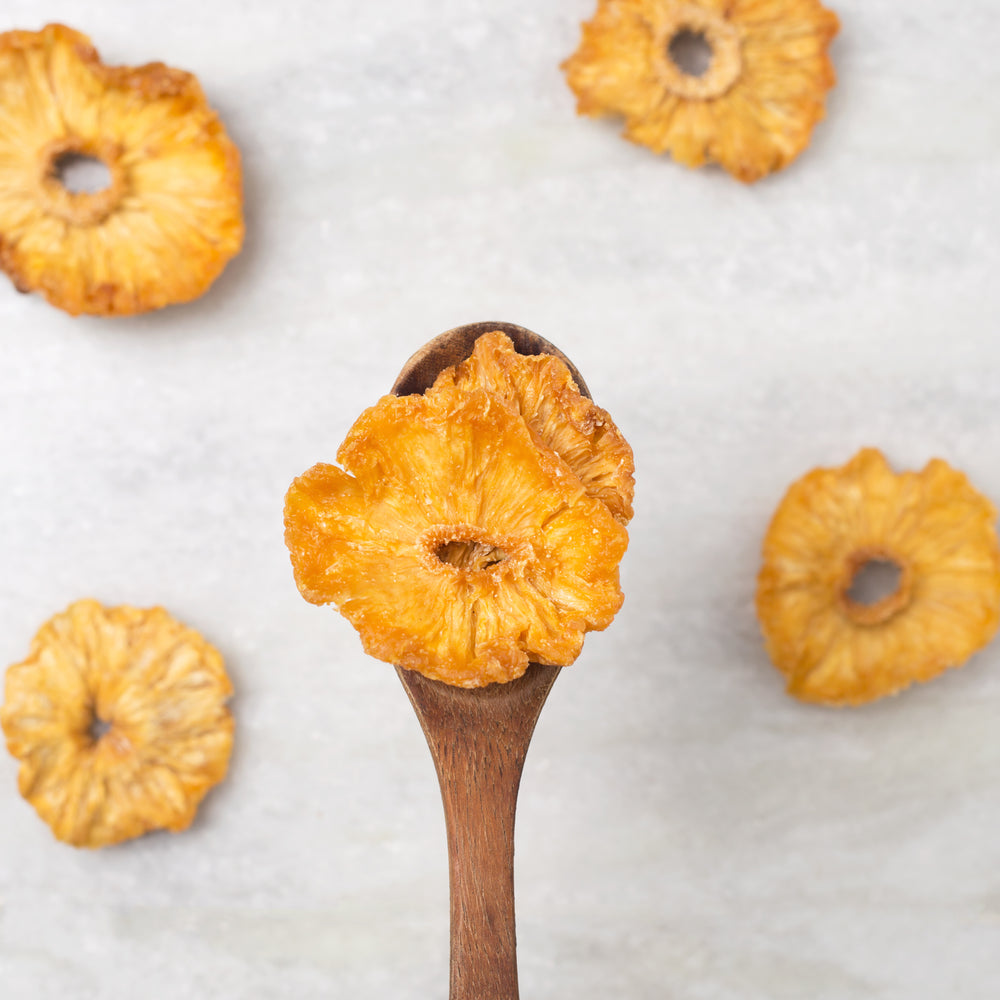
point(454, 346)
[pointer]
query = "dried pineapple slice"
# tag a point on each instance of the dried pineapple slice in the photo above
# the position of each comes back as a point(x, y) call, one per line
point(541, 388)
point(156, 689)
point(752, 110)
point(932, 525)
point(171, 217)
point(453, 542)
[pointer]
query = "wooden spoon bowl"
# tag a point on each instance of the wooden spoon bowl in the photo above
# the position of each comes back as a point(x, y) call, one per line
point(479, 739)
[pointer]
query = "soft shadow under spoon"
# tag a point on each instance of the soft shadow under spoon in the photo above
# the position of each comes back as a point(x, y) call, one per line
point(479, 739)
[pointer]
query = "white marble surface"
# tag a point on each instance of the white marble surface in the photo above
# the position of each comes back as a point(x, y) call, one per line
point(685, 830)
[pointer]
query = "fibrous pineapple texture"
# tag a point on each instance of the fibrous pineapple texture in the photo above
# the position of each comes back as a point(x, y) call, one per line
point(753, 107)
point(119, 719)
point(541, 389)
point(456, 541)
point(932, 526)
point(171, 216)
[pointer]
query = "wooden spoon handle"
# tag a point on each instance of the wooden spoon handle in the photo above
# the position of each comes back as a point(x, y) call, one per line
point(481, 870)
point(479, 740)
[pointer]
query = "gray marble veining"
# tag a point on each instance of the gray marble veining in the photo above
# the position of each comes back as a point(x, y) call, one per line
point(685, 830)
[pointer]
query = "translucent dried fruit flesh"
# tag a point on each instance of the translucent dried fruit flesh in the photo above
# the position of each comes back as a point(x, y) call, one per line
point(171, 217)
point(754, 107)
point(453, 542)
point(541, 389)
point(119, 719)
point(932, 526)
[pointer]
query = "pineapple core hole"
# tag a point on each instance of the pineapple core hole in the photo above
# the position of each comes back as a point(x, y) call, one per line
point(81, 174)
point(98, 728)
point(690, 52)
point(874, 581)
point(470, 555)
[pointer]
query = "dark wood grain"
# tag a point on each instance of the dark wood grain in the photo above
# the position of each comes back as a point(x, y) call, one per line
point(479, 740)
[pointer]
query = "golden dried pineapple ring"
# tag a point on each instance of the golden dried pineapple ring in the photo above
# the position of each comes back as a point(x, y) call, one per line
point(171, 215)
point(752, 110)
point(457, 539)
point(120, 721)
point(934, 531)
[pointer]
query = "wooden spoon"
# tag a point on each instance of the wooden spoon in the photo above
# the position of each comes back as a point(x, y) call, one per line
point(479, 739)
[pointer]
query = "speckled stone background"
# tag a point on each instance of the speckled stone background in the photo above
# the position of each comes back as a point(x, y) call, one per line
point(685, 830)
